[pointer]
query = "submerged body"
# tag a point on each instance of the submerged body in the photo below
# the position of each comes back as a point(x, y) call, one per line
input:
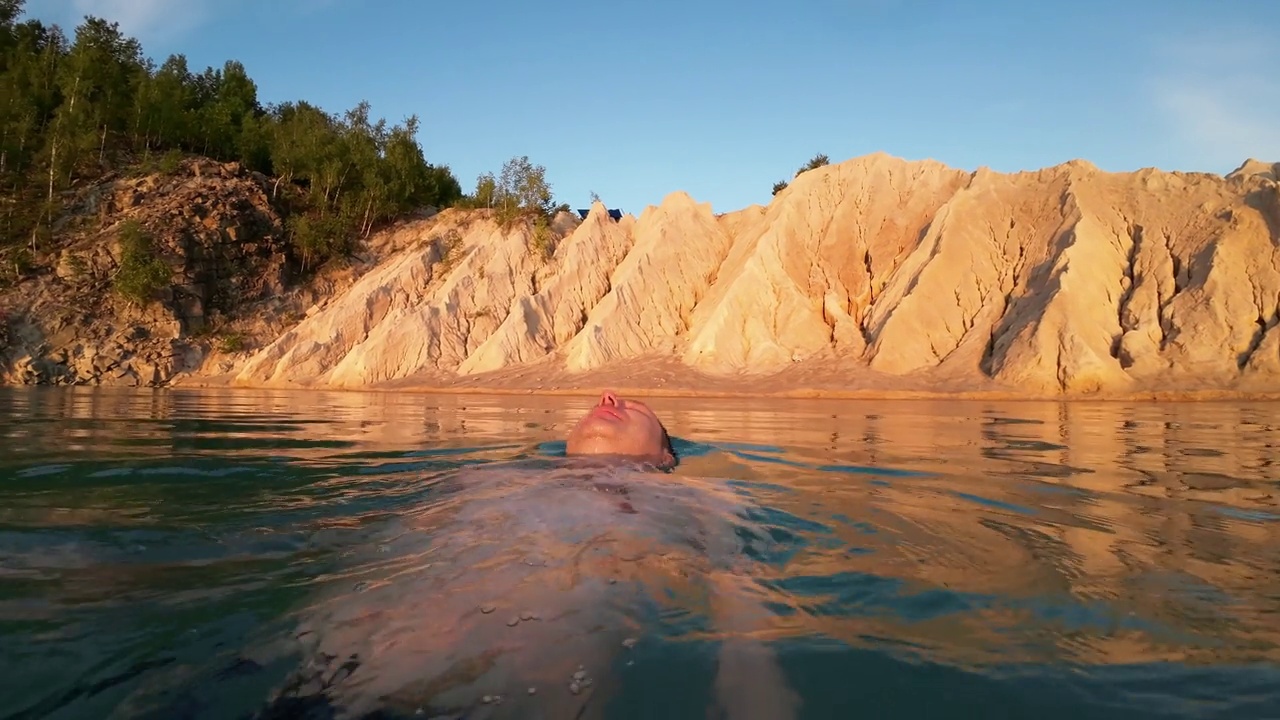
point(546, 578)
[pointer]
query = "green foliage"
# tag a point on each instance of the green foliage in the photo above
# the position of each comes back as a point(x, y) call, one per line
point(72, 110)
point(79, 268)
point(15, 263)
point(232, 342)
point(142, 272)
point(319, 236)
point(170, 161)
point(354, 174)
point(485, 195)
point(541, 240)
point(814, 163)
point(451, 252)
point(519, 193)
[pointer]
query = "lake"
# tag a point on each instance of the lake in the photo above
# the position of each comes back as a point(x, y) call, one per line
point(161, 553)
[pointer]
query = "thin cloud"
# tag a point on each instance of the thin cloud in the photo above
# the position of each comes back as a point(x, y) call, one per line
point(147, 20)
point(163, 21)
point(1220, 97)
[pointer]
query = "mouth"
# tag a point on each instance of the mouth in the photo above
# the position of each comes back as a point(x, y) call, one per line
point(604, 411)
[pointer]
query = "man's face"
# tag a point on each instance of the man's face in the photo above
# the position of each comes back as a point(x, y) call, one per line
point(616, 426)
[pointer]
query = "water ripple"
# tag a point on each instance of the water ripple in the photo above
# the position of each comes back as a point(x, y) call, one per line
point(180, 554)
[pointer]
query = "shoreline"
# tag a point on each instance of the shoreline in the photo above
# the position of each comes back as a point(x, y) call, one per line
point(794, 393)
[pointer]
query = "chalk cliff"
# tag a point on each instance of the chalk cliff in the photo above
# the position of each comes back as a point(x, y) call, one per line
point(875, 273)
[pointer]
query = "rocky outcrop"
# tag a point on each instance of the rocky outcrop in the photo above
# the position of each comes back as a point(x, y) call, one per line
point(677, 252)
point(579, 278)
point(426, 309)
point(211, 225)
point(802, 279)
point(875, 273)
point(1253, 166)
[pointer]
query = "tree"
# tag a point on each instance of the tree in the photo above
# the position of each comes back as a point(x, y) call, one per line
point(594, 197)
point(166, 101)
point(486, 194)
point(522, 190)
point(28, 95)
point(227, 98)
point(9, 12)
point(97, 81)
point(779, 186)
point(444, 187)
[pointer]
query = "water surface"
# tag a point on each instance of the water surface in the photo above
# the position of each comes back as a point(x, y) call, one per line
point(173, 554)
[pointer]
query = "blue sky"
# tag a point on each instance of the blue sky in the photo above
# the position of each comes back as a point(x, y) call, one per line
point(720, 99)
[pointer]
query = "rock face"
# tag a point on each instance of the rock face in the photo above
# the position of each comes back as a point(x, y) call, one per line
point(212, 226)
point(677, 251)
point(1253, 166)
point(579, 278)
point(427, 308)
point(875, 274)
point(884, 273)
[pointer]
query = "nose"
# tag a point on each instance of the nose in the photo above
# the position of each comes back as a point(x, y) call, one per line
point(608, 398)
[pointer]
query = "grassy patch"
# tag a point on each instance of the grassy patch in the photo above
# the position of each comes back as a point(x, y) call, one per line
point(142, 272)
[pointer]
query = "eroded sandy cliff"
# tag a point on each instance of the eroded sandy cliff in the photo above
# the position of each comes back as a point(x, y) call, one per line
point(875, 273)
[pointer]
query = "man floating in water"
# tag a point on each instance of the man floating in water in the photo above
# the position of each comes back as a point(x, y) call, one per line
point(621, 428)
point(525, 590)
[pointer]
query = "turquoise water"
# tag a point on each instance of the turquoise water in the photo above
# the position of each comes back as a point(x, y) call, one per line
point(211, 554)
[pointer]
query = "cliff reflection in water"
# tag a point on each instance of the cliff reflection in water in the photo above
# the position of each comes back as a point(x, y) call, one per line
point(1090, 533)
point(975, 534)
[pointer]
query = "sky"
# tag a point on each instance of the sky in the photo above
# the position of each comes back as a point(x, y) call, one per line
point(634, 100)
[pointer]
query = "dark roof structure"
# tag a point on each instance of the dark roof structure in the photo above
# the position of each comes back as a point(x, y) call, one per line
point(615, 214)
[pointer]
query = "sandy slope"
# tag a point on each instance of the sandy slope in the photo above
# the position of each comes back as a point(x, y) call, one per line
point(872, 276)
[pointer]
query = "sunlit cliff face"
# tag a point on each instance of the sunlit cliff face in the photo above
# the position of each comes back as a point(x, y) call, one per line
point(621, 427)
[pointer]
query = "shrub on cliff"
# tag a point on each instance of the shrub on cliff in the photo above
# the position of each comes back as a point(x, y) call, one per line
point(142, 273)
point(814, 163)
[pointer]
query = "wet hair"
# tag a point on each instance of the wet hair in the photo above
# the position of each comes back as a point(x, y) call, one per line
point(669, 447)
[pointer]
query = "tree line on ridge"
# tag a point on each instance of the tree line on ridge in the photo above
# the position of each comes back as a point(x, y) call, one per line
point(74, 110)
